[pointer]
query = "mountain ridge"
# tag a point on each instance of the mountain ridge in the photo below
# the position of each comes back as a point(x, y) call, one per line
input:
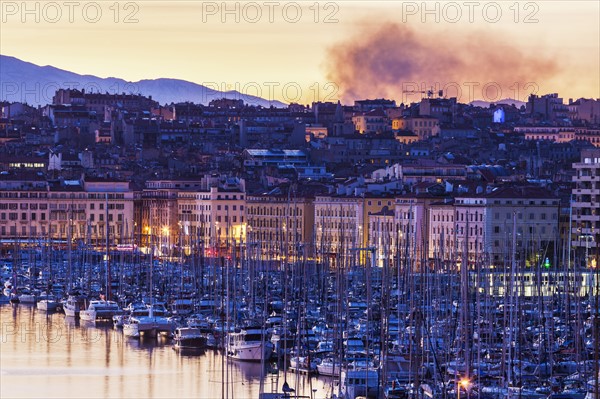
point(23, 81)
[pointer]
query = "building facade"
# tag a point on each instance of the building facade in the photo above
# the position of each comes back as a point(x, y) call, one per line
point(585, 204)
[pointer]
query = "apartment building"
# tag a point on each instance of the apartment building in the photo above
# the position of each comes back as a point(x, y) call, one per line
point(339, 229)
point(89, 210)
point(585, 203)
point(496, 227)
point(212, 215)
point(282, 224)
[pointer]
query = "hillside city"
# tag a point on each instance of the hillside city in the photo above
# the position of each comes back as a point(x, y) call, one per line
point(436, 173)
point(434, 180)
point(368, 250)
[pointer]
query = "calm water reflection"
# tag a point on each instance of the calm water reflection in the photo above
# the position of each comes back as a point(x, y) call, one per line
point(51, 356)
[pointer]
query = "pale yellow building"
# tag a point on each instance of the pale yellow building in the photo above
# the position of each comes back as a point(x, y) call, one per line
point(423, 127)
point(84, 211)
point(342, 227)
point(213, 215)
point(281, 225)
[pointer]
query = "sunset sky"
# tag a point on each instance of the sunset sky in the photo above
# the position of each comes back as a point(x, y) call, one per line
point(364, 49)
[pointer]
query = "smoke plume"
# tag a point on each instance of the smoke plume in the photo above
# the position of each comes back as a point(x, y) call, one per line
point(397, 62)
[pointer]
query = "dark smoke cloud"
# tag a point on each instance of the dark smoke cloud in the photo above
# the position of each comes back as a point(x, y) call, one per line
point(393, 58)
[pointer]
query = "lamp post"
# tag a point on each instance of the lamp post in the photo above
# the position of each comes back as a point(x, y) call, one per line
point(464, 383)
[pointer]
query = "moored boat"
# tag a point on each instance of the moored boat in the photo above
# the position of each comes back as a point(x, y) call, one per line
point(74, 304)
point(100, 310)
point(249, 344)
point(189, 338)
point(48, 305)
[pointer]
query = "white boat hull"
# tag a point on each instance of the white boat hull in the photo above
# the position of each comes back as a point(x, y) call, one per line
point(131, 330)
point(70, 311)
point(27, 298)
point(329, 369)
point(47, 305)
point(251, 352)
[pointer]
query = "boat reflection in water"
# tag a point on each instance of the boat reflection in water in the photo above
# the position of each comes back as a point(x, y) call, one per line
point(49, 353)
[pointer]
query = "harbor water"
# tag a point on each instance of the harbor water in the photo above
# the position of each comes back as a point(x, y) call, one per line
point(53, 356)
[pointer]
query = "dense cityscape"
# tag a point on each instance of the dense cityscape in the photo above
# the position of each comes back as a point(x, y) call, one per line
point(299, 200)
point(124, 171)
point(428, 249)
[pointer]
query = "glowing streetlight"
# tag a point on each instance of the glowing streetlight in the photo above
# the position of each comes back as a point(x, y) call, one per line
point(464, 383)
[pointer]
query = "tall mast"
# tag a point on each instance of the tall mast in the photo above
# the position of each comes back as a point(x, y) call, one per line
point(108, 279)
point(464, 289)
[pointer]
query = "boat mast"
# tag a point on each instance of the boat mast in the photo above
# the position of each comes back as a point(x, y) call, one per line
point(108, 278)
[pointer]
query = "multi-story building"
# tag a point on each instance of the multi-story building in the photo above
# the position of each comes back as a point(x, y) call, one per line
point(383, 237)
point(94, 211)
point(422, 171)
point(587, 110)
point(99, 102)
point(339, 228)
point(281, 224)
point(443, 109)
point(212, 215)
point(585, 230)
point(493, 228)
point(557, 134)
point(441, 233)
point(591, 135)
point(342, 225)
point(209, 211)
point(469, 226)
point(258, 158)
point(548, 106)
point(423, 127)
point(413, 221)
point(159, 216)
point(368, 105)
point(109, 207)
point(374, 121)
point(527, 217)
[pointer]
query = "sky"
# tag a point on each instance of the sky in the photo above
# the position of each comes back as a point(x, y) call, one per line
point(305, 51)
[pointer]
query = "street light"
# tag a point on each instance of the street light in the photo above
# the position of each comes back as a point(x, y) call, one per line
point(464, 382)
